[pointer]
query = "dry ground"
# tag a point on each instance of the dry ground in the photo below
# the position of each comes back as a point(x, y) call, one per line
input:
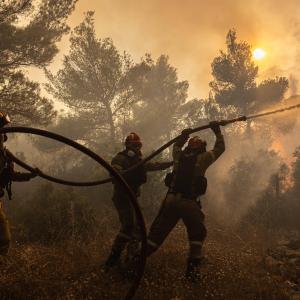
point(72, 271)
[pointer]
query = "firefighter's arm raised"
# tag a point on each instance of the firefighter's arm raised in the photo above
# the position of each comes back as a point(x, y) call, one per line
point(177, 148)
point(219, 147)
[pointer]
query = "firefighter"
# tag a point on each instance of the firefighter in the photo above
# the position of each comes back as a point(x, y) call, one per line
point(186, 184)
point(128, 235)
point(7, 175)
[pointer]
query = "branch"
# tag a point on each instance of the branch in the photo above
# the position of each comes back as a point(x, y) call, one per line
point(10, 11)
point(123, 104)
point(17, 63)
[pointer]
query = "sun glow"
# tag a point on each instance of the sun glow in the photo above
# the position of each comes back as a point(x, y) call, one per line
point(259, 54)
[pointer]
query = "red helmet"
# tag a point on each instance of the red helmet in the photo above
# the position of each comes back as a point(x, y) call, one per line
point(133, 139)
point(196, 143)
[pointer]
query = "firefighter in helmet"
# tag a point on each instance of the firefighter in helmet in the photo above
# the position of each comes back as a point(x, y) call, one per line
point(128, 235)
point(7, 175)
point(186, 184)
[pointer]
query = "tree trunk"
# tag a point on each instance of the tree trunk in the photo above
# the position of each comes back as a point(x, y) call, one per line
point(111, 124)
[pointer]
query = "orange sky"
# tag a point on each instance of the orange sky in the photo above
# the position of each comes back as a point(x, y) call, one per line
point(192, 31)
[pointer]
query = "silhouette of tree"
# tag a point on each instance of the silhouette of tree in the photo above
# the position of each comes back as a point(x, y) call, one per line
point(157, 114)
point(235, 76)
point(97, 83)
point(29, 45)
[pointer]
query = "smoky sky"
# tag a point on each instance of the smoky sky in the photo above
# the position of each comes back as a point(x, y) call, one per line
point(192, 32)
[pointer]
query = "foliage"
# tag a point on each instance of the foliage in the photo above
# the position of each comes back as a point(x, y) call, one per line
point(278, 206)
point(21, 99)
point(235, 76)
point(246, 180)
point(157, 114)
point(25, 45)
point(109, 95)
point(95, 82)
point(296, 172)
point(54, 215)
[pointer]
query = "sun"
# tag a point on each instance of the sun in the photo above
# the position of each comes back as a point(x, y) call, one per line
point(259, 54)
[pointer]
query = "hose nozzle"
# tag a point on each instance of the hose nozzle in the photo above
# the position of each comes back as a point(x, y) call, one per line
point(226, 122)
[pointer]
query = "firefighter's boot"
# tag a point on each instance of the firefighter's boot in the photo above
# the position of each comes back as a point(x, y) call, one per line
point(193, 272)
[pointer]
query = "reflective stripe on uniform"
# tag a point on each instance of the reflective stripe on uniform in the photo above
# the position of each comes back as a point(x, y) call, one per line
point(124, 235)
point(117, 167)
point(195, 249)
point(152, 244)
point(196, 243)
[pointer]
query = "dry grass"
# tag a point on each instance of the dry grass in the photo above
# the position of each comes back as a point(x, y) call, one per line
point(72, 271)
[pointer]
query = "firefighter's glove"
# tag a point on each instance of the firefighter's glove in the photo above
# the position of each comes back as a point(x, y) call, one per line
point(215, 127)
point(36, 172)
point(185, 133)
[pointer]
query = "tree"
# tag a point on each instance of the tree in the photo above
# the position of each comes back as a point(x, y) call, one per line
point(247, 179)
point(21, 98)
point(54, 214)
point(33, 44)
point(161, 95)
point(95, 83)
point(296, 172)
point(235, 76)
point(10, 8)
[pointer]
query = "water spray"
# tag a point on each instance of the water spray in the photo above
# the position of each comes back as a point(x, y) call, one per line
point(115, 174)
point(246, 118)
point(152, 155)
point(273, 112)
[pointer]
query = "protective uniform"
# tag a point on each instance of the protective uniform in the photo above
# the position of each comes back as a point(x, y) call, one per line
point(7, 175)
point(129, 232)
point(186, 185)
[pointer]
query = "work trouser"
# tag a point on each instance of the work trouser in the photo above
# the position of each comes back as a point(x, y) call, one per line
point(174, 208)
point(5, 235)
point(129, 231)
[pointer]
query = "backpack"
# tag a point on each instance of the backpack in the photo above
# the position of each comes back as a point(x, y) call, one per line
point(184, 180)
point(137, 176)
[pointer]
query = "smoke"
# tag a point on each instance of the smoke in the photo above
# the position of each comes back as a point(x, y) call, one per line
point(243, 173)
point(293, 82)
point(192, 32)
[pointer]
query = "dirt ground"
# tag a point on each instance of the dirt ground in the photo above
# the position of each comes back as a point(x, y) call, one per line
point(234, 270)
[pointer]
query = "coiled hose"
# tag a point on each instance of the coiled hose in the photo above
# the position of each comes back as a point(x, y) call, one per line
point(141, 266)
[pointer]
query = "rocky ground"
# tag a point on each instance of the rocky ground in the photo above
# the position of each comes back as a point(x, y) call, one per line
point(283, 262)
point(237, 268)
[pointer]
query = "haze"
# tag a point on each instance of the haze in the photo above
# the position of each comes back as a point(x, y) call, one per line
point(192, 32)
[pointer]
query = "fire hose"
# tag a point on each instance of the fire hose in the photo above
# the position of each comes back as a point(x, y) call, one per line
point(152, 155)
point(141, 266)
point(116, 175)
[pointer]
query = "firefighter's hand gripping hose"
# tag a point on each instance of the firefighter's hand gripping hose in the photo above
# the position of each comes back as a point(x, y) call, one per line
point(85, 150)
point(152, 155)
point(115, 174)
point(107, 180)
